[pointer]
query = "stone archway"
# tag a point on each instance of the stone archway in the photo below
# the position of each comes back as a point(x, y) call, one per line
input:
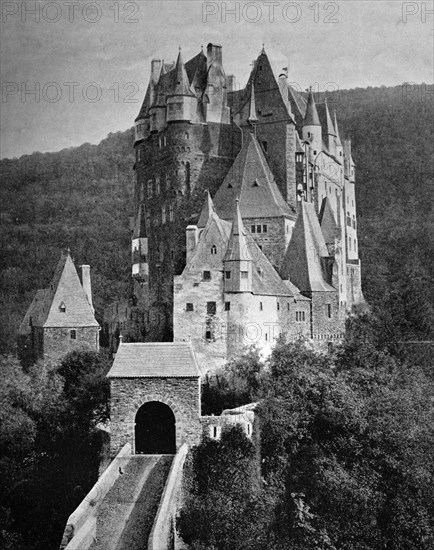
point(155, 429)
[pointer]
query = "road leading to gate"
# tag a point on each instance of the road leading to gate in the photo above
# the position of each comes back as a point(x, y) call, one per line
point(126, 515)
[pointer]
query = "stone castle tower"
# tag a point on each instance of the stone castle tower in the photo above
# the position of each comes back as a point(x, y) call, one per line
point(61, 318)
point(275, 152)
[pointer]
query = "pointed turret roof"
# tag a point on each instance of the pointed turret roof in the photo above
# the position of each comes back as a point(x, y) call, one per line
point(207, 210)
point(64, 303)
point(329, 227)
point(338, 139)
point(237, 249)
point(311, 117)
point(251, 180)
point(303, 258)
point(252, 112)
point(328, 124)
point(181, 82)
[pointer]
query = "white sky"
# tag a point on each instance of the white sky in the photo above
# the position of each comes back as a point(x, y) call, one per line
point(346, 43)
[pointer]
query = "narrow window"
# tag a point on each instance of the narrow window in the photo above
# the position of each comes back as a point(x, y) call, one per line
point(244, 275)
point(213, 250)
point(73, 334)
point(266, 337)
point(227, 274)
point(189, 307)
point(157, 185)
point(258, 229)
point(253, 228)
point(207, 275)
point(278, 306)
point(329, 310)
point(171, 216)
point(167, 182)
point(227, 306)
point(260, 306)
point(211, 308)
point(265, 228)
point(303, 318)
point(163, 214)
point(150, 188)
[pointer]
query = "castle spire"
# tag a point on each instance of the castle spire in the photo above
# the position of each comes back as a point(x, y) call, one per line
point(338, 139)
point(182, 85)
point(311, 117)
point(207, 211)
point(237, 246)
point(253, 119)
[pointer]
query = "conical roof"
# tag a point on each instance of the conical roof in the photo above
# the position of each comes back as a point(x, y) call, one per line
point(237, 249)
point(252, 112)
point(311, 117)
point(251, 181)
point(338, 138)
point(181, 82)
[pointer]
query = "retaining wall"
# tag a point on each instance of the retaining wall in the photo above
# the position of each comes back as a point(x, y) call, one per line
point(79, 524)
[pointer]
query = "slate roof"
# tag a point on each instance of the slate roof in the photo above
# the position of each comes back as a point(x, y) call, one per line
point(325, 119)
point(268, 283)
point(251, 181)
point(305, 252)
point(311, 116)
point(155, 360)
point(329, 227)
point(66, 289)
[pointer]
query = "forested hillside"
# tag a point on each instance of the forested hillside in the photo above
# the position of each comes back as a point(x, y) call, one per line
point(82, 198)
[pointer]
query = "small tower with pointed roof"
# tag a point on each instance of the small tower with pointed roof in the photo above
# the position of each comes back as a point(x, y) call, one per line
point(181, 99)
point(238, 260)
point(312, 131)
point(60, 318)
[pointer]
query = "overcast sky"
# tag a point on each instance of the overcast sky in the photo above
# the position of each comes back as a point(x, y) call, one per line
point(89, 61)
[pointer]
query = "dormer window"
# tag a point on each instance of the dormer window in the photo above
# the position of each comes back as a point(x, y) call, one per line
point(62, 307)
point(230, 186)
point(260, 272)
point(213, 250)
point(255, 183)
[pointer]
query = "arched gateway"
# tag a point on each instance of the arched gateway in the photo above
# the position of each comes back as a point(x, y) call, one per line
point(155, 429)
point(155, 398)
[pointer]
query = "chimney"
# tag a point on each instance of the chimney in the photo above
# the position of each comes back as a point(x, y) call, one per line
point(85, 283)
point(155, 70)
point(214, 53)
point(192, 237)
point(230, 83)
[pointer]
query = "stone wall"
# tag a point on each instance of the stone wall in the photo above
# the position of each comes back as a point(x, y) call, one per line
point(182, 395)
point(325, 327)
point(58, 341)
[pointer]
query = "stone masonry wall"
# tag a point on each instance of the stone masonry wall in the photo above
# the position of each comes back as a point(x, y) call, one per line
point(58, 341)
point(182, 395)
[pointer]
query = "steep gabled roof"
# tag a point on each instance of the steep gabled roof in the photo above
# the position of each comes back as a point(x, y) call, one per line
point(338, 139)
point(207, 210)
point(305, 253)
point(155, 360)
point(329, 227)
point(250, 179)
point(66, 292)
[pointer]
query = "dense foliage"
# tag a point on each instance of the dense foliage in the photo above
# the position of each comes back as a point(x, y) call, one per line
point(50, 447)
point(79, 198)
point(347, 453)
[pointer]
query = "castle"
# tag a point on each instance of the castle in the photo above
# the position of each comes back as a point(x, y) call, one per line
point(245, 224)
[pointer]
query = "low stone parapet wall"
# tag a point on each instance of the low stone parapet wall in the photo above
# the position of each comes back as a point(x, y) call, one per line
point(163, 530)
point(87, 509)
